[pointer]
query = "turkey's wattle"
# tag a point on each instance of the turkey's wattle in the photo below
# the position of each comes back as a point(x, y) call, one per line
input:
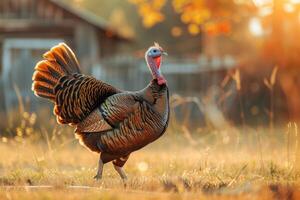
point(109, 121)
point(158, 61)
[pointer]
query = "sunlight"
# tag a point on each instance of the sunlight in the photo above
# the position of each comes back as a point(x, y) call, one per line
point(295, 1)
point(265, 11)
point(263, 3)
point(255, 27)
point(260, 3)
point(288, 7)
point(142, 166)
point(265, 7)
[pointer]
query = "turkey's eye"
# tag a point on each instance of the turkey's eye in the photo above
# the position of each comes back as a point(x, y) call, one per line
point(154, 50)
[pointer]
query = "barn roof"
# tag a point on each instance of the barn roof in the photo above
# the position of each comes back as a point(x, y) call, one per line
point(89, 17)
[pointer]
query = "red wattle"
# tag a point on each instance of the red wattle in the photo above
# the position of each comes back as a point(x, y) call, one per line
point(158, 61)
point(161, 80)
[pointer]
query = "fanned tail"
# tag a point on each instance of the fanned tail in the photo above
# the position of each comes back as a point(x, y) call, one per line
point(58, 62)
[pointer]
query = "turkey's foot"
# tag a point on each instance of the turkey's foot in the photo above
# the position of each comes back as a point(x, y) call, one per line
point(98, 177)
point(125, 181)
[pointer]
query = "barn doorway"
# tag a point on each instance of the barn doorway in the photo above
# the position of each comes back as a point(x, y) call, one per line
point(19, 58)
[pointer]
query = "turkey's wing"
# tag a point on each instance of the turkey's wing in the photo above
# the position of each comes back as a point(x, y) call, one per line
point(93, 123)
point(117, 108)
point(77, 95)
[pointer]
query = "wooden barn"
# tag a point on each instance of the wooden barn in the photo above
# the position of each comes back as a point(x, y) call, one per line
point(29, 27)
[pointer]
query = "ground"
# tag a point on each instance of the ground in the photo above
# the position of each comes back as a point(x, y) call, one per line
point(210, 166)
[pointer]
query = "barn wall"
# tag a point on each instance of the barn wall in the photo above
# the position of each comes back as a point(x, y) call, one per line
point(108, 44)
point(2, 105)
point(86, 44)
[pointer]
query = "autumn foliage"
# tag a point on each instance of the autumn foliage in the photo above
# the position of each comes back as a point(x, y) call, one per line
point(197, 15)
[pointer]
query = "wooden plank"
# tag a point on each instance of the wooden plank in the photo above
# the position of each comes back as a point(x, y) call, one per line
point(48, 11)
point(25, 43)
point(40, 10)
point(1, 8)
point(24, 8)
point(29, 23)
point(5, 8)
point(58, 16)
point(31, 9)
point(14, 9)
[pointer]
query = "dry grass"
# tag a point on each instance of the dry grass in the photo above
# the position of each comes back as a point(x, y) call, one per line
point(41, 160)
point(215, 165)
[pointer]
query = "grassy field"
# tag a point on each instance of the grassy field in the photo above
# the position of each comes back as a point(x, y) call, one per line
point(215, 165)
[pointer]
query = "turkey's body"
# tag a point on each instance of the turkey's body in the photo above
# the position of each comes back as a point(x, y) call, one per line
point(109, 121)
point(136, 118)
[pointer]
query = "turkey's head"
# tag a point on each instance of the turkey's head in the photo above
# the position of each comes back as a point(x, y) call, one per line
point(154, 59)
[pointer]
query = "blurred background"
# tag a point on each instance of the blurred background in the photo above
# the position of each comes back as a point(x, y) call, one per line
point(231, 63)
point(233, 73)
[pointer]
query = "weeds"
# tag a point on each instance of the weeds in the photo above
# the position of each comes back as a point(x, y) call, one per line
point(270, 83)
point(237, 78)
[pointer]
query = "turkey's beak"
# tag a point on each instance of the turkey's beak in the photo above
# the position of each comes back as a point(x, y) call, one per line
point(164, 53)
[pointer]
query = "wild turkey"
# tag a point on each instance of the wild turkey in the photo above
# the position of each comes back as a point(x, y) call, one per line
point(108, 121)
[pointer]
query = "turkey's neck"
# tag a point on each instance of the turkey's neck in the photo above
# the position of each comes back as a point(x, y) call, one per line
point(154, 67)
point(158, 96)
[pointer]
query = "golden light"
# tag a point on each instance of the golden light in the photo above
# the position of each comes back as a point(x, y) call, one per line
point(295, 1)
point(78, 1)
point(255, 27)
point(261, 3)
point(193, 29)
point(288, 7)
point(265, 11)
point(176, 31)
point(142, 166)
point(4, 139)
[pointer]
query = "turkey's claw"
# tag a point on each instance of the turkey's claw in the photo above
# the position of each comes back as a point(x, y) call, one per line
point(98, 177)
point(125, 182)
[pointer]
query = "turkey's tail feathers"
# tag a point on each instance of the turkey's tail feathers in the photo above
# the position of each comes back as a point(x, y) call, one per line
point(58, 62)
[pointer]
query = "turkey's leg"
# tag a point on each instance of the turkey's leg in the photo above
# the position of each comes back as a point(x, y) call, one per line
point(121, 172)
point(118, 165)
point(100, 169)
